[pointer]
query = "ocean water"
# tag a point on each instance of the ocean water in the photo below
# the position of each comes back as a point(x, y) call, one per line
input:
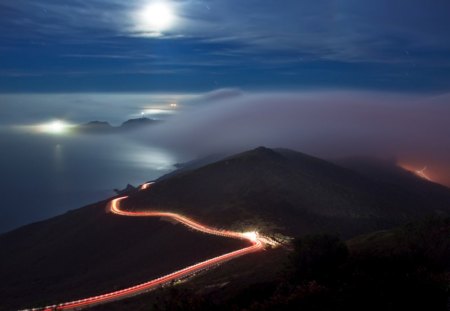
point(45, 175)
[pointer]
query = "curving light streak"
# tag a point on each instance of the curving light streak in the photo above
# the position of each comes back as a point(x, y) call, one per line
point(257, 244)
point(145, 186)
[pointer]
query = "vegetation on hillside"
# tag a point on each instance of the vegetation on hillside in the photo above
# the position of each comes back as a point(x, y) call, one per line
point(88, 252)
point(407, 268)
point(279, 190)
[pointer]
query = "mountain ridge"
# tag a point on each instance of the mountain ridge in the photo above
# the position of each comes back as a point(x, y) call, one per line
point(289, 185)
point(104, 127)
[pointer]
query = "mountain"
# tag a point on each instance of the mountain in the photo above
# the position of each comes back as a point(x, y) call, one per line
point(387, 171)
point(95, 127)
point(286, 191)
point(102, 127)
point(277, 191)
point(133, 124)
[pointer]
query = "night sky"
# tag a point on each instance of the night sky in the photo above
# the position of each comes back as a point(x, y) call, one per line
point(110, 45)
point(333, 79)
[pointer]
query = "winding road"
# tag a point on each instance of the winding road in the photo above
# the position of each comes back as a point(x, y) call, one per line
point(257, 243)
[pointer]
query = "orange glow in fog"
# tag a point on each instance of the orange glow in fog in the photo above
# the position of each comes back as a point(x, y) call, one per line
point(422, 173)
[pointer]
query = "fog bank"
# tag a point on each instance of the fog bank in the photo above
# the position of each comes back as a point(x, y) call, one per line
point(332, 124)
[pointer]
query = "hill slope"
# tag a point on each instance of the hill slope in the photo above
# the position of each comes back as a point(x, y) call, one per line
point(89, 251)
point(387, 171)
point(405, 268)
point(292, 192)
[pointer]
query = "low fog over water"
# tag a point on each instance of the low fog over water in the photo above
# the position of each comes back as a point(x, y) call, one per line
point(43, 175)
point(413, 128)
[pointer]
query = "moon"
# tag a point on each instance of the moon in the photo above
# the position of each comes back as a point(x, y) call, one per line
point(156, 17)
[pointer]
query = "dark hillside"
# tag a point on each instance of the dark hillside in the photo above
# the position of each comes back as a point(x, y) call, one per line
point(289, 192)
point(406, 268)
point(87, 252)
point(387, 171)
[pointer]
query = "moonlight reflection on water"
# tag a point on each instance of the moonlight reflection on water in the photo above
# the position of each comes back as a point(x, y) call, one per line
point(46, 175)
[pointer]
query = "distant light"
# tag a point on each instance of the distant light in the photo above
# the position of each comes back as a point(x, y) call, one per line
point(56, 127)
point(159, 111)
point(421, 173)
point(145, 186)
point(173, 105)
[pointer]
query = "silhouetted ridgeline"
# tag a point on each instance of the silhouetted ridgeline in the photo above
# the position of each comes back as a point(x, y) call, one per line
point(102, 127)
point(290, 192)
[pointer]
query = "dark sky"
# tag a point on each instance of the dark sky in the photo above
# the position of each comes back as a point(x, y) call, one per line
point(113, 45)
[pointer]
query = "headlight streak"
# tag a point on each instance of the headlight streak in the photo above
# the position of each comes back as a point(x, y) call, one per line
point(257, 244)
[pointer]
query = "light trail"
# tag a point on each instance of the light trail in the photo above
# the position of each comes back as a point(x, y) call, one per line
point(422, 173)
point(257, 244)
point(145, 186)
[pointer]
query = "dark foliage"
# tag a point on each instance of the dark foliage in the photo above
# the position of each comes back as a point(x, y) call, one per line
point(406, 269)
point(174, 299)
point(317, 257)
point(402, 269)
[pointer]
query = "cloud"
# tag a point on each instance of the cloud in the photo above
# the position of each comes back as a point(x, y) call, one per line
point(349, 30)
point(326, 124)
point(219, 95)
point(337, 30)
point(399, 45)
point(25, 109)
point(112, 56)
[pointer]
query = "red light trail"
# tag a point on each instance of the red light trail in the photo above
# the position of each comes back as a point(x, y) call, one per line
point(257, 244)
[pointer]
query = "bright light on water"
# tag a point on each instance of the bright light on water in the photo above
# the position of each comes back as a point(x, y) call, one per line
point(56, 127)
